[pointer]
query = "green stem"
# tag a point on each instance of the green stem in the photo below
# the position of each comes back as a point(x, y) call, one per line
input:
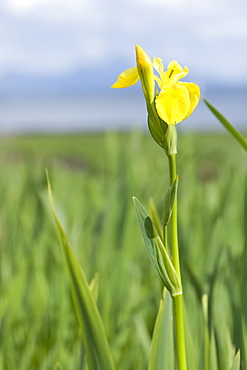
point(177, 300)
point(179, 319)
point(174, 223)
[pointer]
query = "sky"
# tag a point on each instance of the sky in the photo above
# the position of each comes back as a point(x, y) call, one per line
point(57, 37)
point(52, 47)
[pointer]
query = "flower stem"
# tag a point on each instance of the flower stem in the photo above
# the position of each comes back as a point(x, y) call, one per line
point(177, 300)
point(174, 223)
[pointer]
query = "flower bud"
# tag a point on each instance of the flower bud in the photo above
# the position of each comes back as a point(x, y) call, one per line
point(145, 71)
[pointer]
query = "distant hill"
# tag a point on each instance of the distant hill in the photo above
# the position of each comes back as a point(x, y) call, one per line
point(78, 81)
point(81, 81)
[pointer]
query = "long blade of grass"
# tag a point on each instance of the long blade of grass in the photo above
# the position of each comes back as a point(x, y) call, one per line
point(94, 338)
point(228, 126)
point(162, 346)
point(236, 362)
point(210, 352)
point(206, 332)
point(213, 357)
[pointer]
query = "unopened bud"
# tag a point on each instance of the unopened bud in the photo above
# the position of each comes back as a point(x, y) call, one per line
point(145, 71)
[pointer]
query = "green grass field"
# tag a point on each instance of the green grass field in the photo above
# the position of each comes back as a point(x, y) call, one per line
point(93, 179)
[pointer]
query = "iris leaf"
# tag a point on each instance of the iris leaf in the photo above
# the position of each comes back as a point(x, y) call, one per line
point(228, 126)
point(157, 252)
point(93, 333)
point(162, 346)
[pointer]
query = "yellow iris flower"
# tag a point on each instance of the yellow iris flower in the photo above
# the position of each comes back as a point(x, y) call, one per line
point(175, 100)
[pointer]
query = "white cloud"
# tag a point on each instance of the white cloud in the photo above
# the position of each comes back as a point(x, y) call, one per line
point(50, 10)
point(51, 36)
point(55, 36)
point(161, 3)
point(225, 28)
point(21, 6)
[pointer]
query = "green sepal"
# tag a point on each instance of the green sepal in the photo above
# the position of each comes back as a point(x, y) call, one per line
point(157, 252)
point(169, 202)
point(170, 140)
point(155, 129)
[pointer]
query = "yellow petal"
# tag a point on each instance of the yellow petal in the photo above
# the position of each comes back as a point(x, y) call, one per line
point(127, 78)
point(194, 91)
point(174, 65)
point(174, 73)
point(158, 65)
point(173, 103)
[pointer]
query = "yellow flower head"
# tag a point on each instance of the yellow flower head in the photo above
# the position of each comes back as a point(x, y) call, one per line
point(175, 100)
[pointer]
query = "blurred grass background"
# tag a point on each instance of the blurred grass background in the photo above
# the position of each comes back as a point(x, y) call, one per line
point(93, 179)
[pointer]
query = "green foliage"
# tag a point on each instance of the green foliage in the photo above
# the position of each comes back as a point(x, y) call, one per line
point(162, 346)
point(169, 202)
point(157, 252)
point(98, 355)
point(228, 126)
point(93, 180)
point(236, 362)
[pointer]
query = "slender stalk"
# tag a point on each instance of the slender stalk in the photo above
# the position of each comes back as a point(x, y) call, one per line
point(179, 319)
point(174, 223)
point(177, 300)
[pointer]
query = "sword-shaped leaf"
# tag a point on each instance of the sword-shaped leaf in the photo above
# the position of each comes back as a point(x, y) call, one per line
point(236, 362)
point(93, 333)
point(157, 251)
point(162, 346)
point(228, 126)
point(169, 201)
